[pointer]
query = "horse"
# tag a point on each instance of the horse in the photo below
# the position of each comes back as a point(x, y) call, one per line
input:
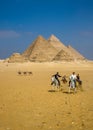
point(79, 84)
point(64, 80)
point(72, 85)
point(55, 82)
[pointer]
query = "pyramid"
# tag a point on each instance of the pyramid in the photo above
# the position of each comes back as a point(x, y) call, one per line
point(71, 53)
point(75, 53)
point(63, 56)
point(40, 50)
point(55, 42)
point(16, 57)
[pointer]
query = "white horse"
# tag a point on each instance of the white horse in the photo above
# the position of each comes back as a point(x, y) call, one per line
point(55, 82)
point(72, 85)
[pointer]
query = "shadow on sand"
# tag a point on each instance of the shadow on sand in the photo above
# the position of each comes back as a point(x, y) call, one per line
point(68, 92)
point(52, 91)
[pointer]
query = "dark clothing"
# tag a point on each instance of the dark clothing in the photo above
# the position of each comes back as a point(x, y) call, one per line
point(78, 80)
point(56, 76)
point(78, 77)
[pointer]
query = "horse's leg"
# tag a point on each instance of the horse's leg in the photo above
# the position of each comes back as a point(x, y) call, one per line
point(74, 90)
point(70, 84)
point(74, 86)
point(69, 89)
point(59, 84)
point(56, 84)
point(79, 85)
point(81, 88)
point(53, 85)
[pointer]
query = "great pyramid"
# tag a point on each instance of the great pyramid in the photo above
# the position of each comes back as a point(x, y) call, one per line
point(42, 50)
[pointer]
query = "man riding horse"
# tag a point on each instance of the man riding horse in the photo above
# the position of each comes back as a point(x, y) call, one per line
point(72, 82)
point(55, 80)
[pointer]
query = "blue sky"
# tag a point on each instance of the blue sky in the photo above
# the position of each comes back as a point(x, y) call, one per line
point(21, 21)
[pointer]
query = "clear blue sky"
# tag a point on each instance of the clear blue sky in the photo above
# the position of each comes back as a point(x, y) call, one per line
point(21, 21)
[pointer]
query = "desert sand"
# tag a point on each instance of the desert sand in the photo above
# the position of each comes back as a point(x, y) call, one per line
point(27, 101)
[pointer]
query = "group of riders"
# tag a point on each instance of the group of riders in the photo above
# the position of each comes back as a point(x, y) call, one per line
point(72, 83)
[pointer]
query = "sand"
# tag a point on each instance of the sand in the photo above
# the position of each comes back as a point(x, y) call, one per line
point(27, 101)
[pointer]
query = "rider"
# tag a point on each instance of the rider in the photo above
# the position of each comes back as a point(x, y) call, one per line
point(64, 79)
point(73, 78)
point(56, 77)
point(78, 79)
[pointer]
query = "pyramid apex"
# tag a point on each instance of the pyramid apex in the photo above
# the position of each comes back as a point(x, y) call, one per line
point(69, 46)
point(40, 37)
point(53, 38)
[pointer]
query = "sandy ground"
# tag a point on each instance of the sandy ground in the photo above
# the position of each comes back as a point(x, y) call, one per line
point(27, 101)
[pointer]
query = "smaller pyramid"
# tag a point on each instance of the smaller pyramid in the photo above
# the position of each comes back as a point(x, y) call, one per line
point(75, 53)
point(63, 56)
point(16, 57)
